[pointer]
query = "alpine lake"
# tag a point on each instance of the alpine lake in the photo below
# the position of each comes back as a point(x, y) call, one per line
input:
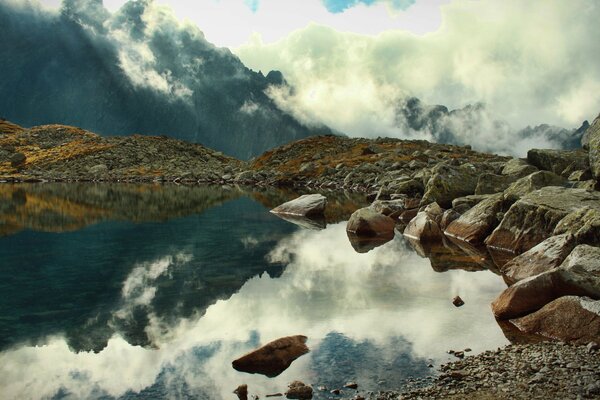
point(126, 291)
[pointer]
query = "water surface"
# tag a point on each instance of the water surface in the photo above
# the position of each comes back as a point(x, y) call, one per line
point(150, 292)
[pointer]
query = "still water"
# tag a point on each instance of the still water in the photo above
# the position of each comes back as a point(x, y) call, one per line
point(125, 291)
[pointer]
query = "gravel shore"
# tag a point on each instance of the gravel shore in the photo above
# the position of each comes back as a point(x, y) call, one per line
point(533, 371)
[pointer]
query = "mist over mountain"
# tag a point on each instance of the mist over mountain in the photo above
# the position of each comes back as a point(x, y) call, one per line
point(138, 70)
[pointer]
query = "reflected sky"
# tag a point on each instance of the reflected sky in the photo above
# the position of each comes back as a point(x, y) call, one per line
point(376, 318)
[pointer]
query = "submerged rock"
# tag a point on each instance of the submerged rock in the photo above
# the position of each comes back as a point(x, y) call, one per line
point(274, 357)
point(368, 222)
point(298, 390)
point(570, 319)
point(308, 205)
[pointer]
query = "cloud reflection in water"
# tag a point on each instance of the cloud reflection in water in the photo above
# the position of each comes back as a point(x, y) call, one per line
point(385, 312)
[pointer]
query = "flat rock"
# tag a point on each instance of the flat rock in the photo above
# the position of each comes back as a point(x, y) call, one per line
point(543, 257)
point(558, 161)
point(368, 222)
point(570, 319)
point(274, 357)
point(532, 182)
point(307, 205)
point(534, 217)
point(518, 167)
point(578, 275)
point(477, 223)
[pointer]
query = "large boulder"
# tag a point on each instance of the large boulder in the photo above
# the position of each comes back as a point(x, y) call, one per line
point(532, 182)
point(425, 227)
point(492, 183)
point(476, 224)
point(570, 319)
point(534, 217)
point(274, 357)
point(308, 205)
point(543, 257)
point(583, 224)
point(578, 275)
point(592, 141)
point(518, 167)
point(395, 207)
point(561, 162)
point(368, 222)
point(448, 182)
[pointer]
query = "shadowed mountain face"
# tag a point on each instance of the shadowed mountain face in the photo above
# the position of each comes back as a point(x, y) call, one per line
point(138, 70)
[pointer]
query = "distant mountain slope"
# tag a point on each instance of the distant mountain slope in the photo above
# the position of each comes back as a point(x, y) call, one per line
point(138, 70)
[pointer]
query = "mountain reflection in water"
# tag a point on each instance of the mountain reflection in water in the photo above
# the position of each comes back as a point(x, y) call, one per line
point(160, 309)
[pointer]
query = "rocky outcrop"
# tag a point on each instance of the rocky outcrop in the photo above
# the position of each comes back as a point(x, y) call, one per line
point(308, 205)
point(561, 162)
point(543, 257)
point(578, 275)
point(274, 357)
point(570, 319)
point(533, 218)
point(476, 224)
point(367, 222)
point(532, 182)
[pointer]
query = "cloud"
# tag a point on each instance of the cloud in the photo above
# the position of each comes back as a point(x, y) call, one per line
point(528, 62)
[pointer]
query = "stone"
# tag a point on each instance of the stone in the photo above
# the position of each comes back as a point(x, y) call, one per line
point(492, 183)
point(578, 275)
point(98, 169)
point(274, 357)
point(543, 257)
point(458, 302)
point(448, 182)
point(592, 141)
point(448, 217)
point(411, 187)
point(518, 167)
point(469, 201)
point(368, 222)
point(534, 217)
point(424, 227)
point(351, 385)
point(570, 319)
point(17, 159)
point(298, 390)
point(307, 205)
point(583, 223)
point(242, 392)
point(362, 244)
point(532, 182)
point(393, 208)
point(558, 161)
point(475, 225)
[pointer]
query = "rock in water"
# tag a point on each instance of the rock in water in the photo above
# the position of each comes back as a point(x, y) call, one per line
point(458, 302)
point(367, 222)
point(477, 223)
point(298, 390)
point(570, 319)
point(274, 357)
point(308, 205)
point(242, 392)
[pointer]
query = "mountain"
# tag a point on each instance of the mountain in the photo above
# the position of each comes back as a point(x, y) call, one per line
point(138, 70)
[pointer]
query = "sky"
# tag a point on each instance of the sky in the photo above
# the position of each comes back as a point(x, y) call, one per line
point(352, 62)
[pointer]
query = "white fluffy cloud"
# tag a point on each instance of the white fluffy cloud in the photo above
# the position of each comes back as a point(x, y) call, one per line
point(529, 62)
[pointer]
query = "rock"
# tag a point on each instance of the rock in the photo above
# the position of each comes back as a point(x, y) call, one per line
point(592, 141)
point(274, 357)
point(316, 223)
point(298, 390)
point(308, 205)
point(362, 244)
point(425, 226)
point(458, 302)
point(351, 385)
point(592, 346)
point(532, 182)
point(448, 217)
point(543, 257)
point(469, 201)
point(533, 218)
point(17, 159)
point(393, 208)
point(336, 391)
point(580, 175)
point(448, 183)
point(492, 183)
point(558, 161)
point(368, 222)
point(476, 224)
point(518, 167)
point(570, 319)
point(242, 392)
point(98, 169)
point(412, 187)
point(578, 275)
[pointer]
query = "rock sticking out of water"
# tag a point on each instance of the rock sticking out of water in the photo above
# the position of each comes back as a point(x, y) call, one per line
point(274, 357)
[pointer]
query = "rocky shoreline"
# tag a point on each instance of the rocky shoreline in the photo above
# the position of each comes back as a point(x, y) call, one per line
point(534, 221)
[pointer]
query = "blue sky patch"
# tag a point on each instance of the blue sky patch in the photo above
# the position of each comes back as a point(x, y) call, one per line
point(252, 4)
point(338, 6)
